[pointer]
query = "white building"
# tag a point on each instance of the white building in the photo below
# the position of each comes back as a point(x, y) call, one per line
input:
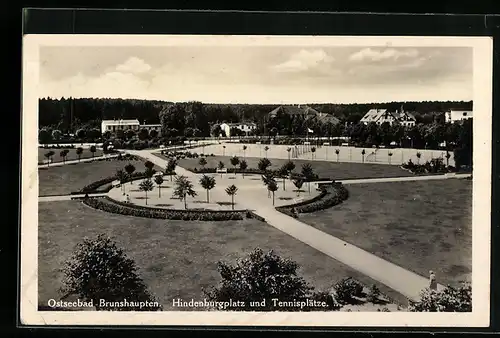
point(115, 125)
point(125, 125)
point(380, 116)
point(245, 127)
point(453, 115)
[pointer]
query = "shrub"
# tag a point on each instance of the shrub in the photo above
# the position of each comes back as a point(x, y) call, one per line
point(346, 289)
point(448, 300)
point(265, 276)
point(330, 196)
point(99, 270)
point(94, 186)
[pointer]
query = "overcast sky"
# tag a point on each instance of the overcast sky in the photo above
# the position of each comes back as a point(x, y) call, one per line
point(258, 74)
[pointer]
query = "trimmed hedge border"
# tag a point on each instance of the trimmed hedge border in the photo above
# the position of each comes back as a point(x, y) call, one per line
point(107, 204)
point(331, 194)
point(94, 186)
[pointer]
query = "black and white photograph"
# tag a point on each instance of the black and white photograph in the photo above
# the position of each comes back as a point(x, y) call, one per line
point(256, 180)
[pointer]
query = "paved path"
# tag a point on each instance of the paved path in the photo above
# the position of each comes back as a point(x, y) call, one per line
point(399, 279)
point(88, 159)
point(66, 197)
point(400, 179)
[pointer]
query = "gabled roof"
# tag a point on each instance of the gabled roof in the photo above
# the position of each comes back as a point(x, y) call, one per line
point(377, 115)
point(327, 118)
point(294, 110)
point(373, 115)
point(308, 112)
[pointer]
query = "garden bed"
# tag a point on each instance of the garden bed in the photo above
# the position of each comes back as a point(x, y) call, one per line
point(331, 195)
point(109, 205)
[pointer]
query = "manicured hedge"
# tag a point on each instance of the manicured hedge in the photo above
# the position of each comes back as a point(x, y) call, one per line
point(109, 205)
point(330, 196)
point(94, 186)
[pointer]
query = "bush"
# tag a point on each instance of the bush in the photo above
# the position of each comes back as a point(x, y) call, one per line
point(109, 205)
point(346, 289)
point(99, 270)
point(448, 300)
point(265, 276)
point(94, 187)
point(330, 196)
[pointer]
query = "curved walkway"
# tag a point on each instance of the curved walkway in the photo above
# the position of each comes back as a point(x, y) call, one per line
point(401, 280)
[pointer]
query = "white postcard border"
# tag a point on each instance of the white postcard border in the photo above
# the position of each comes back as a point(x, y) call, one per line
point(479, 317)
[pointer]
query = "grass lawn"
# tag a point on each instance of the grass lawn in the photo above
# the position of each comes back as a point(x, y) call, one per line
point(62, 180)
point(421, 225)
point(176, 259)
point(71, 155)
point(324, 169)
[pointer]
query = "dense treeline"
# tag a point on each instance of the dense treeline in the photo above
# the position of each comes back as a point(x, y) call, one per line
point(68, 114)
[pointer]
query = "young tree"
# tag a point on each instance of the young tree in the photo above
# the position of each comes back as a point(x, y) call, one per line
point(266, 148)
point(262, 277)
point(449, 299)
point(64, 153)
point(121, 176)
point(298, 184)
point(202, 162)
point(170, 170)
point(243, 167)
point(149, 165)
point(308, 173)
point(159, 182)
point(263, 164)
point(130, 169)
point(231, 191)
point(93, 150)
point(221, 166)
point(98, 269)
point(363, 152)
point(418, 157)
point(313, 151)
point(272, 186)
point(146, 185)
point(149, 172)
point(79, 152)
point(184, 188)
point(49, 155)
point(337, 152)
point(283, 173)
point(290, 166)
point(244, 152)
point(266, 178)
point(235, 161)
point(390, 156)
point(208, 183)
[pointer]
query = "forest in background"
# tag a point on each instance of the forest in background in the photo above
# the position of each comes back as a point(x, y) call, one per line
point(69, 114)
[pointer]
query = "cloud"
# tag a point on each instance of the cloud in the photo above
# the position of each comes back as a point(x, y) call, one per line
point(304, 60)
point(134, 65)
point(111, 84)
point(369, 54)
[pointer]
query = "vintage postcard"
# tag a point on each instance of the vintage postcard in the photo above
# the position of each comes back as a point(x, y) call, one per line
point(256, 180)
